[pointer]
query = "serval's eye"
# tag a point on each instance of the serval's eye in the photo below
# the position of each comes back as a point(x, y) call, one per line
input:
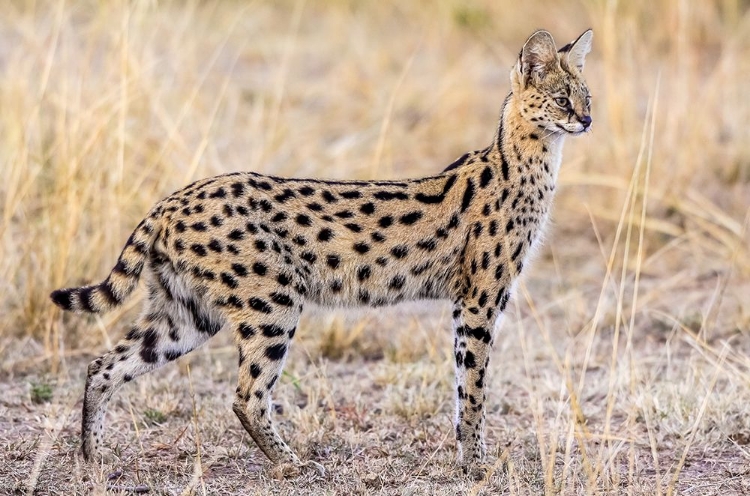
point(588, 100)
point(562, 101)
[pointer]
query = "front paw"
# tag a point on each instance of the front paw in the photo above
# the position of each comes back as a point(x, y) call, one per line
point(477, 471)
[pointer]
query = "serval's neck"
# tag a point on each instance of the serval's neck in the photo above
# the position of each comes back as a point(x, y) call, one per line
point(525, 147)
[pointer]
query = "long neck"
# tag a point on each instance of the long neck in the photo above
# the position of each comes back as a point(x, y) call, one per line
point(524, 146)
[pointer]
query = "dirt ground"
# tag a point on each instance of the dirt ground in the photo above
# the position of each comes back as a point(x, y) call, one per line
point(370, 397)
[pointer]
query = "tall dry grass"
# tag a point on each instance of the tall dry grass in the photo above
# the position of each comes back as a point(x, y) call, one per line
point(107, 107)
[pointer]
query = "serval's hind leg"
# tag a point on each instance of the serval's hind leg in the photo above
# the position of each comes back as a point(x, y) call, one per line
point(173, 325)
point(263, 334)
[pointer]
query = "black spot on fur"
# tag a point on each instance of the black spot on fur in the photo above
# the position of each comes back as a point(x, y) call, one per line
point(479, 333)
point(237, 189)
point(309, 257)
point(148, 353)
point(400, 251)
point(276, 352)
point(333, 261)
point(279, 217)
point(428, 244)
point(236, 235)
point(325, 234)
point(284, 196)
point(198, 249)
point(246, 330)
point(410, 218)
point(363, 273)
point(469, 360)
point(203, 273)
point(363, 296)
point(397, 282)
point(306, 191)
point(219, 193)
point(239, 269)
point(234, 301)
point(303, 220)
point(272, 331)
point(385, 221)
point(361, 248)
point(259, 305)
point(282, 299)
point(344, 214)
point(171, 355)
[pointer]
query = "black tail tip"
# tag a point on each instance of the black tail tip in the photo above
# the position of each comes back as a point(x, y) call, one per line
point(61, 298)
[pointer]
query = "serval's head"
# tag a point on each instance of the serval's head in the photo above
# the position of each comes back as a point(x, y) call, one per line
point(549, 85)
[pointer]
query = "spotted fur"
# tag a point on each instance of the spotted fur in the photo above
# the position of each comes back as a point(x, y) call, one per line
point(245, 251)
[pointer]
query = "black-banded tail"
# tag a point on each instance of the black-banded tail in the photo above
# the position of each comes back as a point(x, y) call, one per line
point(123, 279)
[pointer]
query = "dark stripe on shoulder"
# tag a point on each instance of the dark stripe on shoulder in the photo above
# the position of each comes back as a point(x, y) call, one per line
point(468, 194)
point(421, 197)
point(459, 162)
point(486, 177)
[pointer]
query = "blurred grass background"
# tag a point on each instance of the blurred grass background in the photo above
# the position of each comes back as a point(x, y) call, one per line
point(109, 106)
point(639, 302)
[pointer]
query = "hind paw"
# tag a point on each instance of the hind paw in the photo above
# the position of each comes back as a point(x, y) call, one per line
point(291, 470)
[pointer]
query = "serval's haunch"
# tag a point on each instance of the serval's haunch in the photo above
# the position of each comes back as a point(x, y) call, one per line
point(244, 251)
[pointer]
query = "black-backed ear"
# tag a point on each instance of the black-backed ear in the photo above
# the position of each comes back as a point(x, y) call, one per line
point(537, 57)
point(574, 54)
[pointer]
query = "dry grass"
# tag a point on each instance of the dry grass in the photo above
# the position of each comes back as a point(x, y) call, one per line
point(624, 367)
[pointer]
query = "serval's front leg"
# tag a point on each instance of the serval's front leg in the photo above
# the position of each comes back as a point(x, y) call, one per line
point(473, 324)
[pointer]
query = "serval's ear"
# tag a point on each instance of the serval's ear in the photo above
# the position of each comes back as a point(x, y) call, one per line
point(574, 54)
point(537, 57)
